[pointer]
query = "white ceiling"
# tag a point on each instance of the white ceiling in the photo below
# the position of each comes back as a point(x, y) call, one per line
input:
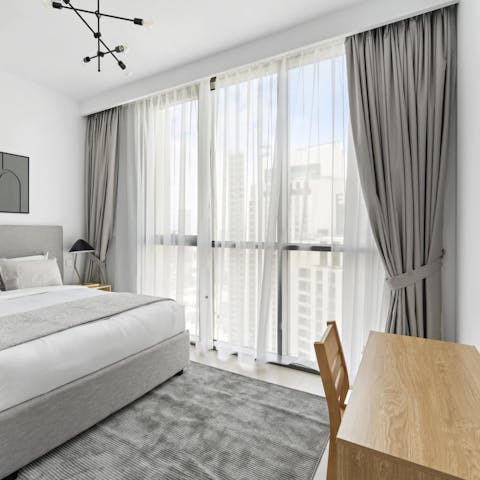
point(47, 45)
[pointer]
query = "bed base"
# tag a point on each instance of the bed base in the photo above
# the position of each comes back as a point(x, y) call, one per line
point(33, 428)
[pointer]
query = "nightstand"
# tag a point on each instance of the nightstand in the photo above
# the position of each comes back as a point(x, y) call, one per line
point(98, 286)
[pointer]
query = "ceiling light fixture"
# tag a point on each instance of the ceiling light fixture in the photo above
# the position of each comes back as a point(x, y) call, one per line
point(67, 4)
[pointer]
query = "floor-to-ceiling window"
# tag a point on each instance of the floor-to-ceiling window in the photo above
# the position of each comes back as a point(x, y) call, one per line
point(275, 209)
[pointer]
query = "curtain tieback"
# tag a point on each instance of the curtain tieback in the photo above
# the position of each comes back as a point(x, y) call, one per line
point(414, 276)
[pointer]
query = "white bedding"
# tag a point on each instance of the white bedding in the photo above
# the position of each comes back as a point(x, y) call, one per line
point(39, 366)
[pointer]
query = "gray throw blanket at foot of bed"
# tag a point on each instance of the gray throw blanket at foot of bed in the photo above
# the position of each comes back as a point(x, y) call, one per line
point(27, 326)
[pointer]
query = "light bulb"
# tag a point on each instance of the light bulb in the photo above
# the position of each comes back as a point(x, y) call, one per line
point(126, 49)
point(128, 73)
point(121, 49)
point(148, 23)
point(47, 3)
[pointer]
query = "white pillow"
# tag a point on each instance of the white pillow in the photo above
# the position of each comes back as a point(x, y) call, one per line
point(21, 259)
point(28, 274)
point(42, 256)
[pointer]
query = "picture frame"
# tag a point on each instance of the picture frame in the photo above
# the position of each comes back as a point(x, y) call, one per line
point(14, 183)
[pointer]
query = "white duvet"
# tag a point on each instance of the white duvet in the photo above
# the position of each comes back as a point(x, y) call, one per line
point(39, 366)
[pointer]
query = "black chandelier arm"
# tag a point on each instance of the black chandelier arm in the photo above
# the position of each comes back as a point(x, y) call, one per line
point(99, 60)
point(109, 51)
point(136, 21)
point(101, 54)
point(71, 7)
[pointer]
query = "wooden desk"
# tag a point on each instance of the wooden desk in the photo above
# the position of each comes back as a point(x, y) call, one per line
point(414, 412)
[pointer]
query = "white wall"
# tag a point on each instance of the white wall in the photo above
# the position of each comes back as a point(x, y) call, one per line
point(468, 230)
point(359, 17)
point(47, 127)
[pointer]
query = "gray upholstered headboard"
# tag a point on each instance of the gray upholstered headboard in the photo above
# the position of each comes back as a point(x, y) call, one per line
point(23, 240)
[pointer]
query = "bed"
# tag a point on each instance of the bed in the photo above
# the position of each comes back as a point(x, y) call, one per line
point(55, 386)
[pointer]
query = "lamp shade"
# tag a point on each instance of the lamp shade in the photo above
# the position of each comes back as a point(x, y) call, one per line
point(81, 246)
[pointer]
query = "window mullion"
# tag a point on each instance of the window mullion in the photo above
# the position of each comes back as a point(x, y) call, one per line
point(204, 219)
point(282, 145)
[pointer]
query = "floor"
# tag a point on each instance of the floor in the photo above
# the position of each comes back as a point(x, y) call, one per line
point(307, 382)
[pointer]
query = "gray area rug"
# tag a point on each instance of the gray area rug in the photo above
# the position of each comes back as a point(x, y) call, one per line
point(207, 424)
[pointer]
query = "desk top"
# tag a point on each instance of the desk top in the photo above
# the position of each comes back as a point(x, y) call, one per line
point(418, 401)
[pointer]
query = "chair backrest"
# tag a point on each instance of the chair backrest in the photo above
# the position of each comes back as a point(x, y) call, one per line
point(333, 371)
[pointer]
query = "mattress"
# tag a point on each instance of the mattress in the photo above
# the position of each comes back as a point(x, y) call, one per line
point(42, 365)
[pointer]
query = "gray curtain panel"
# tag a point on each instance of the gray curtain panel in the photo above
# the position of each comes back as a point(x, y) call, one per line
point(101, 188)
point(401, 81)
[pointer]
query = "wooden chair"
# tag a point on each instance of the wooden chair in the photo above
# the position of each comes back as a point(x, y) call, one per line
point(333, 371)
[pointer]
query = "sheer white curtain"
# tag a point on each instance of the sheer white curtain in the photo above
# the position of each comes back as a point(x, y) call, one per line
point(365, 296)
point(246, 186)
point(156, 222)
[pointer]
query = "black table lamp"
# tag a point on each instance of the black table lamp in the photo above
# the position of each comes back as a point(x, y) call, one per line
point(80, 246)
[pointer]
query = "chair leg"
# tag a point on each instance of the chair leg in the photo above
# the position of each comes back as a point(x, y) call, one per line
point(332, 460)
